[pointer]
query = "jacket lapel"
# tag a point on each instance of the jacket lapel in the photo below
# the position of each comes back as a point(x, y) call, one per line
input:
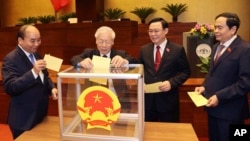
point(24, 57)
point(226, 53)
point(165, 55)
point(151, 58)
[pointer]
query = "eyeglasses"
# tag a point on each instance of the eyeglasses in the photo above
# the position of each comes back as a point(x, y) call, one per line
point(107, 42)
point(154, 31)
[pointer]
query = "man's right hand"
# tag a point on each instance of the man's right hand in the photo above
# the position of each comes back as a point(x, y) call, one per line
point(200, 89)
point(39, 65)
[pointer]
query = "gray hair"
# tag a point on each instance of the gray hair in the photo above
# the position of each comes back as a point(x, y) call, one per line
point(105, 29)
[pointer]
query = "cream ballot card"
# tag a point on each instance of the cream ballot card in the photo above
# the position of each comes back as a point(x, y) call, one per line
point(100, 65)
point(53, 63)
point(198, 99)
point(152, 88)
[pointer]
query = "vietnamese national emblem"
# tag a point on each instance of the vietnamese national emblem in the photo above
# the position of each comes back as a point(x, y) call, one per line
point(99, 107)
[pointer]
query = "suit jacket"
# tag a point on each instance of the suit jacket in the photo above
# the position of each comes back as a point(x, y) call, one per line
point(229, 79)
point(29, 96)
point(89, 52)
point(174, 67)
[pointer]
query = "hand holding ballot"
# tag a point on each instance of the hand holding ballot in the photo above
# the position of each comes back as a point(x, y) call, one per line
point(157, 87)
point(211, 102)
point(118, 61)
point(198, 99)
point(152, 88)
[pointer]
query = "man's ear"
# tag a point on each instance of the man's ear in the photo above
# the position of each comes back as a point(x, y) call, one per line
point(233, 30)
point(166, 31)
point(19, 40)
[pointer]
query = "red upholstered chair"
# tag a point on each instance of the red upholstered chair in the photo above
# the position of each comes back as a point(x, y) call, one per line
point(5, 133)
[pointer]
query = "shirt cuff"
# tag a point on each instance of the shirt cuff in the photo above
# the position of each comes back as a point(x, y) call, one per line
point(34, 74)
point(78, 65)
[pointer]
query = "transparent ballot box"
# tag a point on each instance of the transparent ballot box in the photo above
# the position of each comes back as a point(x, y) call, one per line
point(101, 105)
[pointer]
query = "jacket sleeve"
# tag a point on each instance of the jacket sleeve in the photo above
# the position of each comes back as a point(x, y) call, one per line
point(125, 55)
point(183, 70)
point(78, 58)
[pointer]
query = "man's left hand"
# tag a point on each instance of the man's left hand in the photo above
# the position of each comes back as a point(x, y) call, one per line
point(54, 94)
point(118, 61)
point(165, 86)
point(213, 101)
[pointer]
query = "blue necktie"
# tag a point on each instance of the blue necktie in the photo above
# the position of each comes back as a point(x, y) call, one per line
point(32, 58)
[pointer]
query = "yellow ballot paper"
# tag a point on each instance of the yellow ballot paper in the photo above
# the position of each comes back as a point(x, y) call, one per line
point(100, 65)
point(198, 99)
point(152, 88)
point(53, 63)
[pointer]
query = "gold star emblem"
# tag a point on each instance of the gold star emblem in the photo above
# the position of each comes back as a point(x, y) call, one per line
point(97, 98)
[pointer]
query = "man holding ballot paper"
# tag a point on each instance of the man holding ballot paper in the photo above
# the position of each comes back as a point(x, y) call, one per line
point(165, 69)
point(104, 40)
point(26, 80)
point(228, 81)
point(100, 60)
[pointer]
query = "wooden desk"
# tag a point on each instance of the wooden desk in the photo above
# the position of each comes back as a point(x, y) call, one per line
point(49, 130)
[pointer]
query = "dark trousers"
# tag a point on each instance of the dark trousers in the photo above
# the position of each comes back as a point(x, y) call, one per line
point(218, 129)
point(155, 116)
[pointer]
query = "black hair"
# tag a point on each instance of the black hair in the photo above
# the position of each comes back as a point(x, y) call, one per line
point(164, 23)
point(21, 32)
point(232, 19)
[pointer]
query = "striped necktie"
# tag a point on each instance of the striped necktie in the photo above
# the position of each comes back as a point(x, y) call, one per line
point(219, 53)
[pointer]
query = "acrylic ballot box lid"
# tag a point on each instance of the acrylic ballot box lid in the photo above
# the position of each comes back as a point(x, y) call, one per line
point(101, 105)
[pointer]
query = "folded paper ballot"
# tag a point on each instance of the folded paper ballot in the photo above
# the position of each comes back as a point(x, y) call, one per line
point(53, 63)
point(100, 65)
point(198, 99)
point(152, 88)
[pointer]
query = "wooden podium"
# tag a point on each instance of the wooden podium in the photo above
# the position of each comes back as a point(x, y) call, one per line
point(89, 10)
point(197, 46)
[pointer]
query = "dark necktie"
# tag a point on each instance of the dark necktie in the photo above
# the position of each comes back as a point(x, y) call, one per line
point(157, 58)
point(219, 53)
point(32, 60)
point(105, 56)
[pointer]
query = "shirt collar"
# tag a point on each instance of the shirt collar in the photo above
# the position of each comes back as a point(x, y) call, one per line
point(108, 54)
point(162, 45)
point(227, 43)
point(25, 52)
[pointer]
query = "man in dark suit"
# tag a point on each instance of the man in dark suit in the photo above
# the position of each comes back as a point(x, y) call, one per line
point(27, 84)
point(172, 71)
point(104, 40)
point(228, 80)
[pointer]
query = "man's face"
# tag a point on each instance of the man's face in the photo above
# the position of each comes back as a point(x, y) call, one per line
point(156, 33)
point(31, 41)
point(104, 42)
point(222, 31)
